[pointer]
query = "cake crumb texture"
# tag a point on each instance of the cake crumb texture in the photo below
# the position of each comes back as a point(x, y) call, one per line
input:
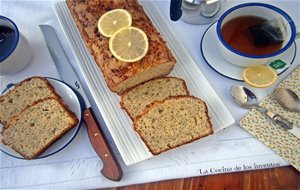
point(135, 100)
point(33, 130)
point(23, 95)
point(173, 122)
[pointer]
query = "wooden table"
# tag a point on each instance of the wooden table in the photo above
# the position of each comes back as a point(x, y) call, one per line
point(282, 178)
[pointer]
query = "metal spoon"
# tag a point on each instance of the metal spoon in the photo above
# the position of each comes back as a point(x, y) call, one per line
point(247, 99)
point(287, 99)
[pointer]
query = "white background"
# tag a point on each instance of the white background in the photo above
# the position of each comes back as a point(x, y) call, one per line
point(77, 166)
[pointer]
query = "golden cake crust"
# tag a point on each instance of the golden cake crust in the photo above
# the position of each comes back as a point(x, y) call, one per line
point(86, 15)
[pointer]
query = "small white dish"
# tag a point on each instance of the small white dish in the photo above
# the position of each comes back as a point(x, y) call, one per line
point(212, 56)
point(71, 100)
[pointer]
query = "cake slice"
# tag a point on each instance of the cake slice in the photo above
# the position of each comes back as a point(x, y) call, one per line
point(173, 122)
point(34, 129)
point(135, 100)
point(22, 95)
point(121, 76)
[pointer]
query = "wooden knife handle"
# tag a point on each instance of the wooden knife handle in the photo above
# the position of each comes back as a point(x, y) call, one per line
point(111, 168)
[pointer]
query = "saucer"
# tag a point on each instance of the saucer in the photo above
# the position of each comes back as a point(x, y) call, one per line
point(71, 100)
point(212, 56)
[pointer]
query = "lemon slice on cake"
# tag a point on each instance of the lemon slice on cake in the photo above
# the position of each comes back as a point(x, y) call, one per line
point(260, 76)
point(113, 20)
point(129, 44)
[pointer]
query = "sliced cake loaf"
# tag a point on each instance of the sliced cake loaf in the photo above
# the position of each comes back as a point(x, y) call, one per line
point(34, 129)
point(22, 95)
point(135, 100)
point(173, 122)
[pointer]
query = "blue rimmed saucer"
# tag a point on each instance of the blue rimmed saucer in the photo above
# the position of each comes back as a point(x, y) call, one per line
point(212, 56)
point(71, 100)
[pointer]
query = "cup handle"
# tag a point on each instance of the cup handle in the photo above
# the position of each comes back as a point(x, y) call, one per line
point(175, 10)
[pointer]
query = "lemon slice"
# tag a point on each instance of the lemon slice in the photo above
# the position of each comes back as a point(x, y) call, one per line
point(260, 76)
point(129, 44)
point(113, 20)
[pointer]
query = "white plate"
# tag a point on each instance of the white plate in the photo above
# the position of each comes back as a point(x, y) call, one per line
point(128, 142)
point(209, 50)
point(71, 100)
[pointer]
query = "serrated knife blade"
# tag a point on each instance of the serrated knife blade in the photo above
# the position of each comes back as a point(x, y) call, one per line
point(111, 168)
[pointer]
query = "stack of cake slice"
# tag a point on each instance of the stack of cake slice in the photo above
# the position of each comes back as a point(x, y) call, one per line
point(165, 115)
point(33, 117)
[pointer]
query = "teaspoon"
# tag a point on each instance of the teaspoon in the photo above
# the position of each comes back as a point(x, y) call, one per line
point(247, 99)
point(287, 99)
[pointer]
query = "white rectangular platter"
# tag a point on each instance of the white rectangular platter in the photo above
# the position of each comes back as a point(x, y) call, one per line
point(129, 144)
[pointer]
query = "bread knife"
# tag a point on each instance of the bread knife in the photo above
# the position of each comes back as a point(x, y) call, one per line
point(111, 168)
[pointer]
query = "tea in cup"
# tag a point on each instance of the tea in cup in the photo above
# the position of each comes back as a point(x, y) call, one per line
point(15, 52)
point(251, 34)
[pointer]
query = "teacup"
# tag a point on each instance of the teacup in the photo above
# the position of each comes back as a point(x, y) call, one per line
point(15, 52)
point(262, 11)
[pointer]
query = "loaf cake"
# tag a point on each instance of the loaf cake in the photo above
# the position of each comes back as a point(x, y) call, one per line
point(120, 76)
point(173, 122)
point(22, 95)
point(34, 129)
point(135, 100)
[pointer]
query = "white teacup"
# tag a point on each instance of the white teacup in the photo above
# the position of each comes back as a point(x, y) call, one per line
point(15, 52)
point(262, 10)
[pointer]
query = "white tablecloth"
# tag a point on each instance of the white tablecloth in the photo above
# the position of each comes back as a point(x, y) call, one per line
point(77, 166)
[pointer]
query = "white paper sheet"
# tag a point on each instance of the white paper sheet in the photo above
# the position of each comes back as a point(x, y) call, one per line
point(77, 166)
